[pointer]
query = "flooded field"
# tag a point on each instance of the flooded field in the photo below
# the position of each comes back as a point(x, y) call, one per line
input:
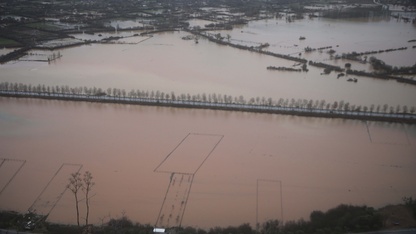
point(340, 161)
point(167, 63)
point(236, 167)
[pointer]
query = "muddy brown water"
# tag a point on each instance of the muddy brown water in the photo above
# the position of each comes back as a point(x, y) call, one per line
point(264, 167)
point(320, 163)
point(167, 63)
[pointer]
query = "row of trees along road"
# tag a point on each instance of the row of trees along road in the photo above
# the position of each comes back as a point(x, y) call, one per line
point(116, 93)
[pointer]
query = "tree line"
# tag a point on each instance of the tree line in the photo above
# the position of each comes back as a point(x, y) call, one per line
point(380, 65)
point(115, 93)
point(338, 220)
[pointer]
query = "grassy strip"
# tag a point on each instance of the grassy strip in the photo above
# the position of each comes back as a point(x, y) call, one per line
point(4, 42)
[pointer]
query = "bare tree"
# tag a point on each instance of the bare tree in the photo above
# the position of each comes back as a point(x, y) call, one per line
point(385, 107)
point(335, 105)
point(346, 106)
point(75, 184)
point(87, 186)
point(398, 108)
point(405, 109)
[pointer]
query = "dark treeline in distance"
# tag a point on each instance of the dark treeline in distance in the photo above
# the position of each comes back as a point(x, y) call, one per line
point(219, 39)
point(338, 220)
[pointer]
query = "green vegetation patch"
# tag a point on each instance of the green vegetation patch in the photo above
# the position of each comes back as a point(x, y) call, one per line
point(44, 26)
point(4, 42)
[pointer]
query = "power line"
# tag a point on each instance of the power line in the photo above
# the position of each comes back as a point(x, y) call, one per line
point(14, 175)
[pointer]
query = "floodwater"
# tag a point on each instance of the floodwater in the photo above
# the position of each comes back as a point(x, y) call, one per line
point(236, 167)
point(294, 164)
point(167, 63)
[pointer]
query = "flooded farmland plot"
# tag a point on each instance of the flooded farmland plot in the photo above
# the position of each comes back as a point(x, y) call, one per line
point(168, 64)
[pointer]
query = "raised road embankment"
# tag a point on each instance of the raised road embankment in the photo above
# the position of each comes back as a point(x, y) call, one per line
point(272, 109)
